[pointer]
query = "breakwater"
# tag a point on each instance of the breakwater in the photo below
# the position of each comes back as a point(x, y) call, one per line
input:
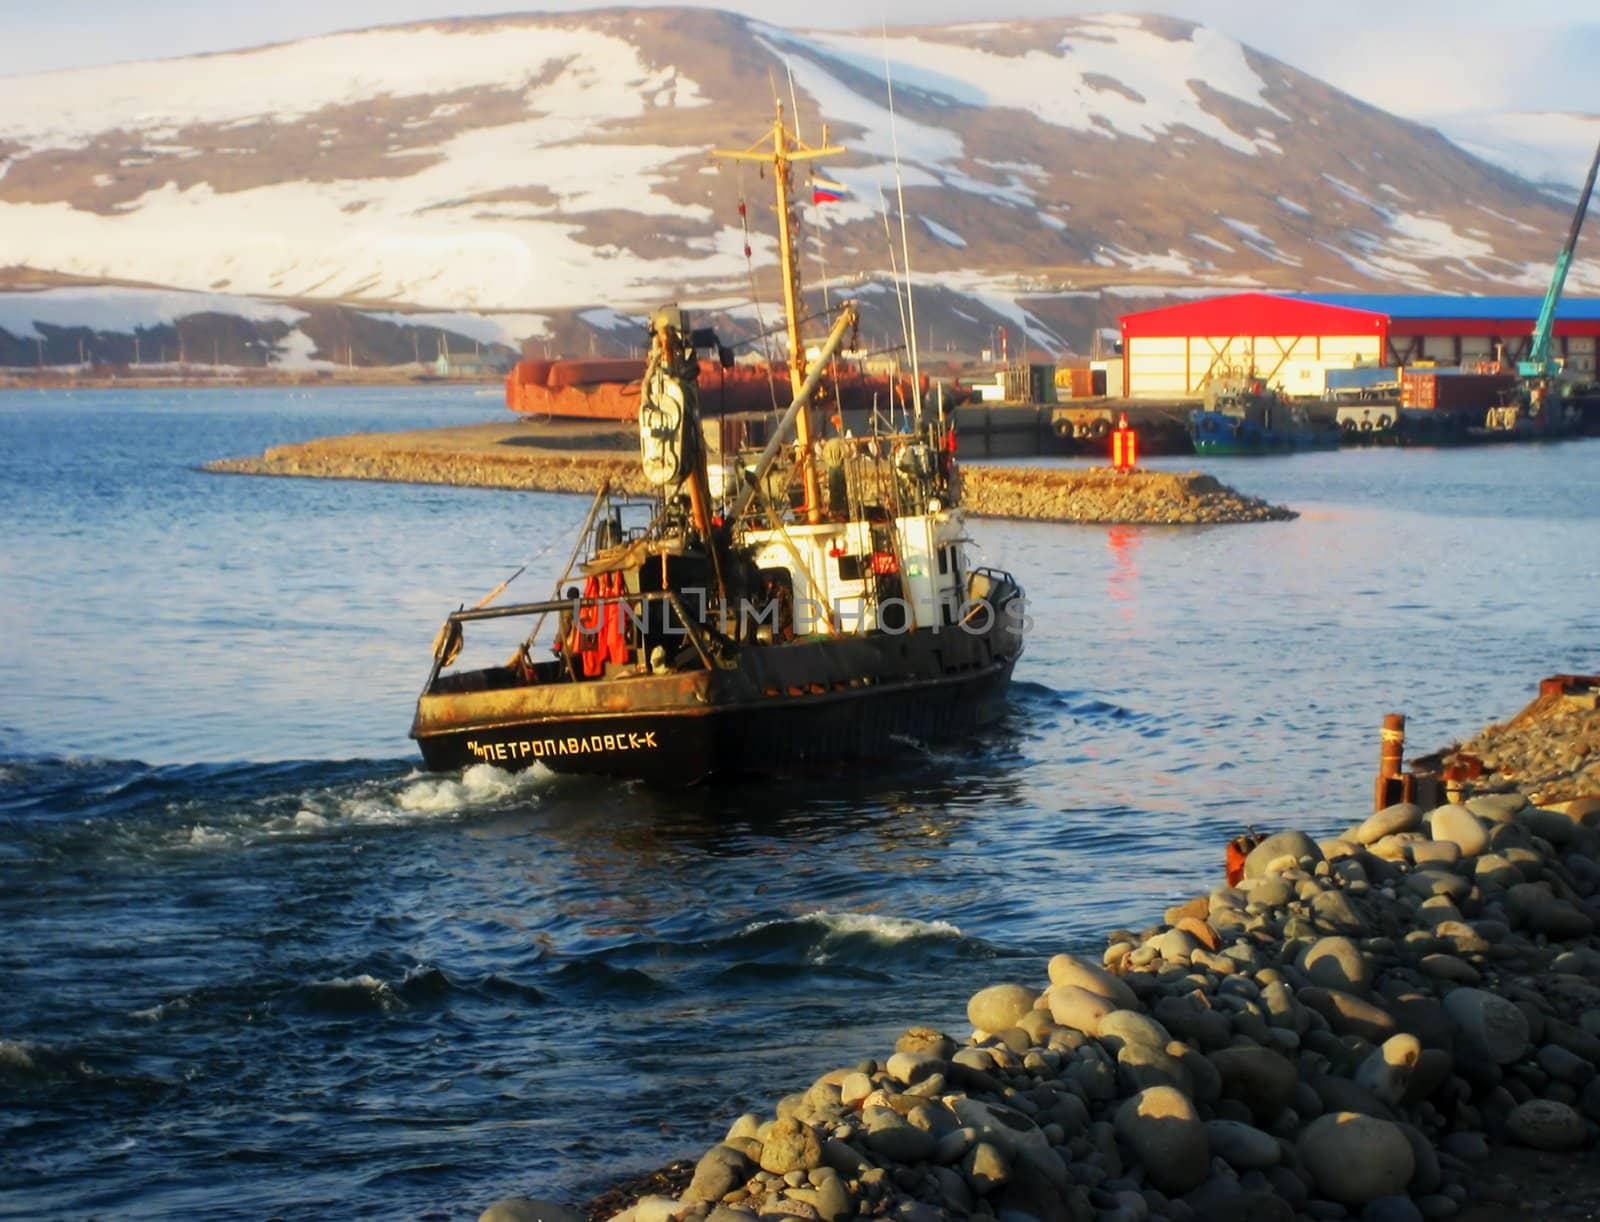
point(512, 456)
point(1352, 1029)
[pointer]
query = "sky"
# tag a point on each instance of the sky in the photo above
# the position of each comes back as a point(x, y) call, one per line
point(1419, 58)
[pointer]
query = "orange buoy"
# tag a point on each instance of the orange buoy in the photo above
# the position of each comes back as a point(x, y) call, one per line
point(1238, 849)
point(1124, 446)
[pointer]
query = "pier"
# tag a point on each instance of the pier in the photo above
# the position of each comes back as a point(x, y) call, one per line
point(574, 457)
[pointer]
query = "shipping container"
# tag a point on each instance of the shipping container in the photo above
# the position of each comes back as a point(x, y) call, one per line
point(1079, 383)
point(1453, 389)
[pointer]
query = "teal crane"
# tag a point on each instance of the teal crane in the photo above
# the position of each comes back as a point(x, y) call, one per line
point(1539, 364)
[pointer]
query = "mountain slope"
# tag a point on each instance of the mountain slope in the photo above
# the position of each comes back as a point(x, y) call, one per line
point(1552, 149)
point(555, 163)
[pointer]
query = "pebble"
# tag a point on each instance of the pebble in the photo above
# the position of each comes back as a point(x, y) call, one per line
point(1497, 807)
point(1073, 1006)
point(1435, 853)
point(720, 1170)
point(1070, 969)
point(790, 1145)
point(1270, 892)
point(1348, 1014)
point(1489, 1025)
point(1337, 963)
point(1386, 1071)
point(1338, 1036)
point(1166, 1133)
point(1293, 844)
point(1334, 911)
point(1243, 1146)
point(1545, 1124)
point(985, 1168)
point(1459, 826)
point(1401, 817)
point(529, 1209)
point(1000, 1006)
point(1449, 967)
point(1259, 1078)
point(1123, 1027)
point(1354, 1158)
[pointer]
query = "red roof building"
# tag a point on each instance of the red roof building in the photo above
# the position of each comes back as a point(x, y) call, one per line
point(1292, 340)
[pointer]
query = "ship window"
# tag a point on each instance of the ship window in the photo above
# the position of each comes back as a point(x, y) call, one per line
point(849, 568)
point(944, 560)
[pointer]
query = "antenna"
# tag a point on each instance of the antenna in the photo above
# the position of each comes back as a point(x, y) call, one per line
point(905, 245)
point(894, 278)
point(816, 235)
point(781, 151)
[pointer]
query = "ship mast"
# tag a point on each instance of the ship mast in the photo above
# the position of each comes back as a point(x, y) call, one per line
point(785, 149)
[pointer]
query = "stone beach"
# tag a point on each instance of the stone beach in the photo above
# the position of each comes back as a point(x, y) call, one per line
point(1393, 1017)
point(576, 458)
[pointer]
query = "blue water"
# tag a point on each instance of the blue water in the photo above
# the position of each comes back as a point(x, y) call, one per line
point(256, 963)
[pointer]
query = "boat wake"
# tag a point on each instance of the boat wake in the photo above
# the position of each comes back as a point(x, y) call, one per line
point(854, 939)
point(55, 809)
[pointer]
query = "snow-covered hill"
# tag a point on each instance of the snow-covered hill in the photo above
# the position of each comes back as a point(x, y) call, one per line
point(555, 164)
point(1552, 149)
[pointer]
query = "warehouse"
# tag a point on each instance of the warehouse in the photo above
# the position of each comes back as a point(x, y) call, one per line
point(1292, 340)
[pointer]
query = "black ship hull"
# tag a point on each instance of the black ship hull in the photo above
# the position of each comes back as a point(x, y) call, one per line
point(783, 710)
point(800, 736)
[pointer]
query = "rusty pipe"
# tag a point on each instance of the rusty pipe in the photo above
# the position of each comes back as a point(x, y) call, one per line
point(1392, 744)
point(1392, 787)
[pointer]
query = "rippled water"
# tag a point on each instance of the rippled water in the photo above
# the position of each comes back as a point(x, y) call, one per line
point(255, 962)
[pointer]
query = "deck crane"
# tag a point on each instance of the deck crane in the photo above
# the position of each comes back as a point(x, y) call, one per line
point(1540, 369)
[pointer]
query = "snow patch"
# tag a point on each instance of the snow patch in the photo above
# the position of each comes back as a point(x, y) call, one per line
point(1259, 242)
point(1351, 192)
point(603, 77)
point(297, 350)
point(1426, 237)
point(1171, 263)
point(607, 319)
point(948, 236)
point(507, 329)
point(125, 310)
point(1059, 88)
point(1373, 262)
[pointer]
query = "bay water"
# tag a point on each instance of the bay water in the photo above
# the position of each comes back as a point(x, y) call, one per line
point(255, 962)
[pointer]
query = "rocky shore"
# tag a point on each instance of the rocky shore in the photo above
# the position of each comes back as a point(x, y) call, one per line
point(1384, 1023)
point(1103, 495)
point(514, 455)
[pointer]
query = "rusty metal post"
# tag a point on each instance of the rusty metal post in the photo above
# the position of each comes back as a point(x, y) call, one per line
point(1392, 787)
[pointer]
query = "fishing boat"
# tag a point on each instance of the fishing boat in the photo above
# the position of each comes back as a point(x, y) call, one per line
point(793, 610)
point(1243, 415)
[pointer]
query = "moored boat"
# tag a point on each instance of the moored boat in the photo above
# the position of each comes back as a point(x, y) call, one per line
point(609, 389)
point(781, 612)
point(1242, 415)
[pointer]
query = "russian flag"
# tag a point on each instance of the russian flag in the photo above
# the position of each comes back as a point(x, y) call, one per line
point(826, 191)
